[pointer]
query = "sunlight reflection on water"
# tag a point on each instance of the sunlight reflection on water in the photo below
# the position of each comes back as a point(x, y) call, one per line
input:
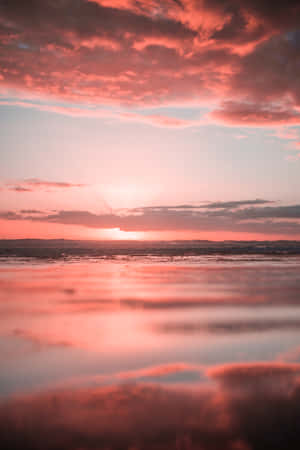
point(136, 327)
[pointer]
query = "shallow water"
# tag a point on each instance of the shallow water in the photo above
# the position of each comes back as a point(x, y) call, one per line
point(150, 352)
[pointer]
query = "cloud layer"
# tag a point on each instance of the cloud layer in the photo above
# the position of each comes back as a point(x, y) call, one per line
point(242, 53)
point(249, 216)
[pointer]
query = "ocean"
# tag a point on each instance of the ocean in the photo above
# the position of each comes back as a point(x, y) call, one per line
point(150, 345)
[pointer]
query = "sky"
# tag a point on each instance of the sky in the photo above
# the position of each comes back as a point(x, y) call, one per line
point(127, 119)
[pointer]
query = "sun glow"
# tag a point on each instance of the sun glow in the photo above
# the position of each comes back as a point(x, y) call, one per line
point(129, 195)
point(116, 233)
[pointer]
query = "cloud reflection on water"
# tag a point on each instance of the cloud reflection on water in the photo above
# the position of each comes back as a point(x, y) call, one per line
point(137, 355)
point(253, 406)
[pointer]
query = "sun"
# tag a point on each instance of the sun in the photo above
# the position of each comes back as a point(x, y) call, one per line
point(120, 235)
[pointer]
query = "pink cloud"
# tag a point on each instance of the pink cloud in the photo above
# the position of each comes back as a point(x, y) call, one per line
point(151, 53)
point(95, 113)
point(251, 114)
point(33, 184)
point(287, 133)
point(36, 182)
point(241, 136)
point(293, 157)
point(161, 120)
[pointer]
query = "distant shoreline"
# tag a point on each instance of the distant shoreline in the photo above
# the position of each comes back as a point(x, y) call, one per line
point(87, 243)
point(60, 248)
